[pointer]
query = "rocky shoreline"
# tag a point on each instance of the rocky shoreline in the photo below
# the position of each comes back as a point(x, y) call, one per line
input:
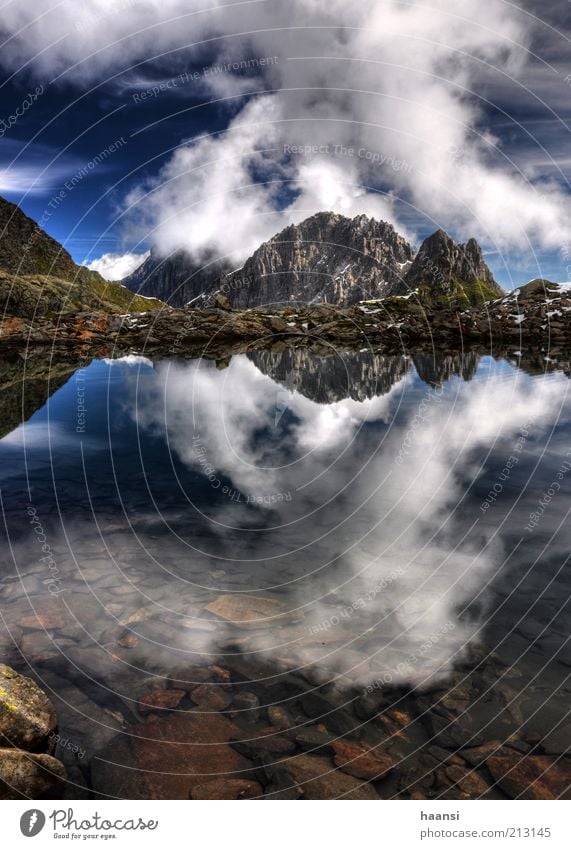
point(531, 319)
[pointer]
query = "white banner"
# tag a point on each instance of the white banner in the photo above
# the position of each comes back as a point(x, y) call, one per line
point(334, 825)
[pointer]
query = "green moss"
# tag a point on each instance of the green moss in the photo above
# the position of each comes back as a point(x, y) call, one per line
point(460, 294)
point(401, 304)
point(120, 296)
point(48, 296)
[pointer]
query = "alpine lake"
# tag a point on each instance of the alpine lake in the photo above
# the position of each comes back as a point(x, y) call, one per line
point(284, 575)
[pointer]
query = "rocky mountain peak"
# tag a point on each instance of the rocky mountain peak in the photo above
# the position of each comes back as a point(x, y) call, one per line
point(326, 258)
point(176, 279)
point(445, 271)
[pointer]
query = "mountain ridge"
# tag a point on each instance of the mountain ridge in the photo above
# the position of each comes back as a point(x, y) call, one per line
point(327, 258)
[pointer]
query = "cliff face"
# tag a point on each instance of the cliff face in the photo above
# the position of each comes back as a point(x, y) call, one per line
point(325, 380)
point(358, 375)
point(328, 258)
point(443, 270)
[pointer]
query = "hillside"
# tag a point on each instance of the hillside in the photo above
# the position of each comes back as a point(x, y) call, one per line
point(38, 277)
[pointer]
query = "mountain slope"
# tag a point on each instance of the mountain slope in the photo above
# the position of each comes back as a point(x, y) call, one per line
point(175, 279)
point(39, 277)
point(42, 295)
point(27, 249)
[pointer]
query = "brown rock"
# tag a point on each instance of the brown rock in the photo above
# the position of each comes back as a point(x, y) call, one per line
point(47, 613)
point(210, 697)
point(188, 677)
point(469, 784)
point(248, 610)
point(269, 740)
point(139, 615)
point(221, 302)
point(279, 717)
point(357, 760)
point(160, 700)
point(315, 737)
point(128, 640)
point(478, 754)
point(37, 647)
point(27, 716)
point(167, 758)
point(316, 778)
point(229, 788)
point(28, 775)
point(278, 325)
point(246, 705)
point(530, 776)
point(221, 674)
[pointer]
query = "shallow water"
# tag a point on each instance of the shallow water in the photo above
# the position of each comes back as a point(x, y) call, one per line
point(376, 545)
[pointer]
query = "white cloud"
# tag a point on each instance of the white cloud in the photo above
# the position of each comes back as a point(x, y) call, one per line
point(117, 266)
point(392, 81)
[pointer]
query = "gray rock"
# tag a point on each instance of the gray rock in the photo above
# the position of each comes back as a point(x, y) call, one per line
point(442, 269)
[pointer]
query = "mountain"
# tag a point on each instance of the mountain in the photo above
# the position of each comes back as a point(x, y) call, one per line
point(175, 279)
point(444, 271)
point(39, 277)
point(327, 258)
point(26, 383)
point(27, 249)
point(436, 369)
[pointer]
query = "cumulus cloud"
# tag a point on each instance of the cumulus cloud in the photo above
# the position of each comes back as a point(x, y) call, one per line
point(387, 95)
point(117, 266)
point(223, 192)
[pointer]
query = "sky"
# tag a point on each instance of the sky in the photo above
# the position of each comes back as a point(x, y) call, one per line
point(130, 125)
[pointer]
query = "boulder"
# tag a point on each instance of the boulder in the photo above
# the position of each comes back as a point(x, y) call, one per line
point(169, 757)
point(229, 788)
point(160, 699)
point(23, 774)
point(247, 610)
point(531, 776)
point(317, 778)
point(360, 762)
point(27, 715)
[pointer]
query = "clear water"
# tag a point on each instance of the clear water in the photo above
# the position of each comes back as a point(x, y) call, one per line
point(365, 518)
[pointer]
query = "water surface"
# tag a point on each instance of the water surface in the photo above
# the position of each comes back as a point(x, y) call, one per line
point(376, 545)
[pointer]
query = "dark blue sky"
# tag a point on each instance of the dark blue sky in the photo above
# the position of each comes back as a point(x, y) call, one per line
point(67, 129)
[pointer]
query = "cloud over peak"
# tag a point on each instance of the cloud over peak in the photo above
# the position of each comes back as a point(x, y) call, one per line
point(368, 107)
